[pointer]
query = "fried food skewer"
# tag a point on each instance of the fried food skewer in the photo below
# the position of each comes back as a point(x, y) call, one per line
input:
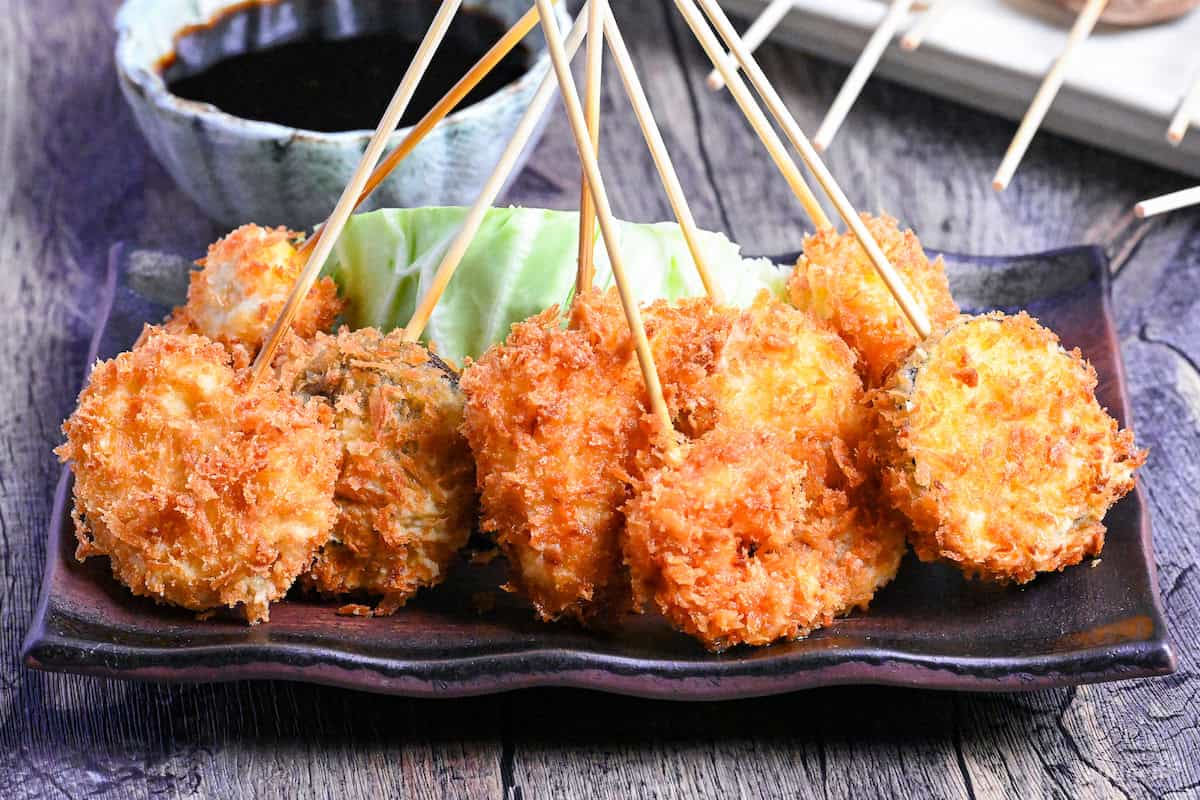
point(497, 53)
point(595, 183)
point(912, 308)
point(1046, 93)
point(491, 189)
point(594, 66)
point(863, 67)
point(349, 199)
point(755, 35)
point(658, 151)
point(915, 36)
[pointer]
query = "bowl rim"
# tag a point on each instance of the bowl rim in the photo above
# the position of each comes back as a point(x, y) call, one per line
point(148, 82)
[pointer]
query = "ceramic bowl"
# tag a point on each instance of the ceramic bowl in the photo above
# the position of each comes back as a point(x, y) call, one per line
point(241, 170)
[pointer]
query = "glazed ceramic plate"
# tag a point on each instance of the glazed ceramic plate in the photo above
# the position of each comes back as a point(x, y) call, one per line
point(930, 628)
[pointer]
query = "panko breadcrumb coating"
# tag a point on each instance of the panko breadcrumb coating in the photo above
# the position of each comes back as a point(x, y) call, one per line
point(743, 543)
point(836, 281)
point(244, 284)
point(553, 415)
point(203, 489)
point(999, 452)
point(406, 492)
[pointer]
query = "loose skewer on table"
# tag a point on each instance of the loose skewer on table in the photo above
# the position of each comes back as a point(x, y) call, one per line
point(861, 72)
point(1167, 202)
point(1046, 93)
point(915, 35)
point(755, 35)
point(349, 199)
point(497, 53)
point(695, 20)
point(1189, 107)
point(491, 189)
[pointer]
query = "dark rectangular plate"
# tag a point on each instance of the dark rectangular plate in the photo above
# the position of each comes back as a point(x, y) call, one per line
point(929, 628)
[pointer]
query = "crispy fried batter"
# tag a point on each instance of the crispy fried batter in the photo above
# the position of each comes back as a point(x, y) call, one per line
point(406, 492)
point(243, 286)
point(999, 452)
point(836, 281)
point(744, 543)
point(555, 419)
point(202, 489)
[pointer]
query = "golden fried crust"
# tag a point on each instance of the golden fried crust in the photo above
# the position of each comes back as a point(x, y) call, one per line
point(836, 281)
point(243, 286)
point(555, 419)
point(204, 490)
point(743, 544)
point(406, 492)
point(998, 451)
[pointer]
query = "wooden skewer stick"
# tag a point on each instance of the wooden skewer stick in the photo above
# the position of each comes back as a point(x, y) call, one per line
point(345, 206)
point(862, 70)
point(1167, 202)
point(895, 283)
point(915, 35)
point(491, 189)
point(1053, 81)
point(658, 152)
point(608, 227)
point(593, 70)
point(771, 141)
point(1188, 108)
point(755, 35)
point(442, 109)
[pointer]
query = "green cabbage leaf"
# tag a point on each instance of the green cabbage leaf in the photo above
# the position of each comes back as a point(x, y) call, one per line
point(520, 263)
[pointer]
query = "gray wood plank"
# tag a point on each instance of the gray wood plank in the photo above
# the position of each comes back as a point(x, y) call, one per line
point(77, 177)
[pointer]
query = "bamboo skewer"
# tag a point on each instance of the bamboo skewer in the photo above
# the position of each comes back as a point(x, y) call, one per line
point(349, 199)
point(895, 283)
point(587, 155)
point(1053, 81)
point(1188, 108)
point(862, 70)
point(442, 109)
point(915, 35)
point(1167, 202)
point(755, 35)
point(771, 141)
point(593, 69)
point(491, 189)
point(658, 152)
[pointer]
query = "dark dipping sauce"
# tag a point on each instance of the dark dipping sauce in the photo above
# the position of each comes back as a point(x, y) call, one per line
point(334, 85)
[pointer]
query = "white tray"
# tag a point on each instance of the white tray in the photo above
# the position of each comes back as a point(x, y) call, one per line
point(1121, 90)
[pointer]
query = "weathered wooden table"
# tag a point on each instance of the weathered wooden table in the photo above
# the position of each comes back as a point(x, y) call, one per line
point(75, 175)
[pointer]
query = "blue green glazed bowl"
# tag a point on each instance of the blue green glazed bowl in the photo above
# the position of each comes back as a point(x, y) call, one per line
point(241, 170)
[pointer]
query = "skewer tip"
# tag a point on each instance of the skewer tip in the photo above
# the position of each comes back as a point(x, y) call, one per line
point(999, 184)
point(819, 144)
point(1174, 137)
point(1139, 211)
point(714, 81)
point(909, 43)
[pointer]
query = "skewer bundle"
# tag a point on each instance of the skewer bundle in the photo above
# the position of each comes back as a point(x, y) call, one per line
point(763, 413)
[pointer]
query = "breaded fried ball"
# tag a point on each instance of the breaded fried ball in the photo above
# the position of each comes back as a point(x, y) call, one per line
point(998, 451)
point(836, 281)
point(406, 491)
point(204, 490)
point(555, 420)
point(743, 543)
point(244, 284)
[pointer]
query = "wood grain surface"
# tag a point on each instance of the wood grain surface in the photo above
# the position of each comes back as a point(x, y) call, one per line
point(75, 176)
